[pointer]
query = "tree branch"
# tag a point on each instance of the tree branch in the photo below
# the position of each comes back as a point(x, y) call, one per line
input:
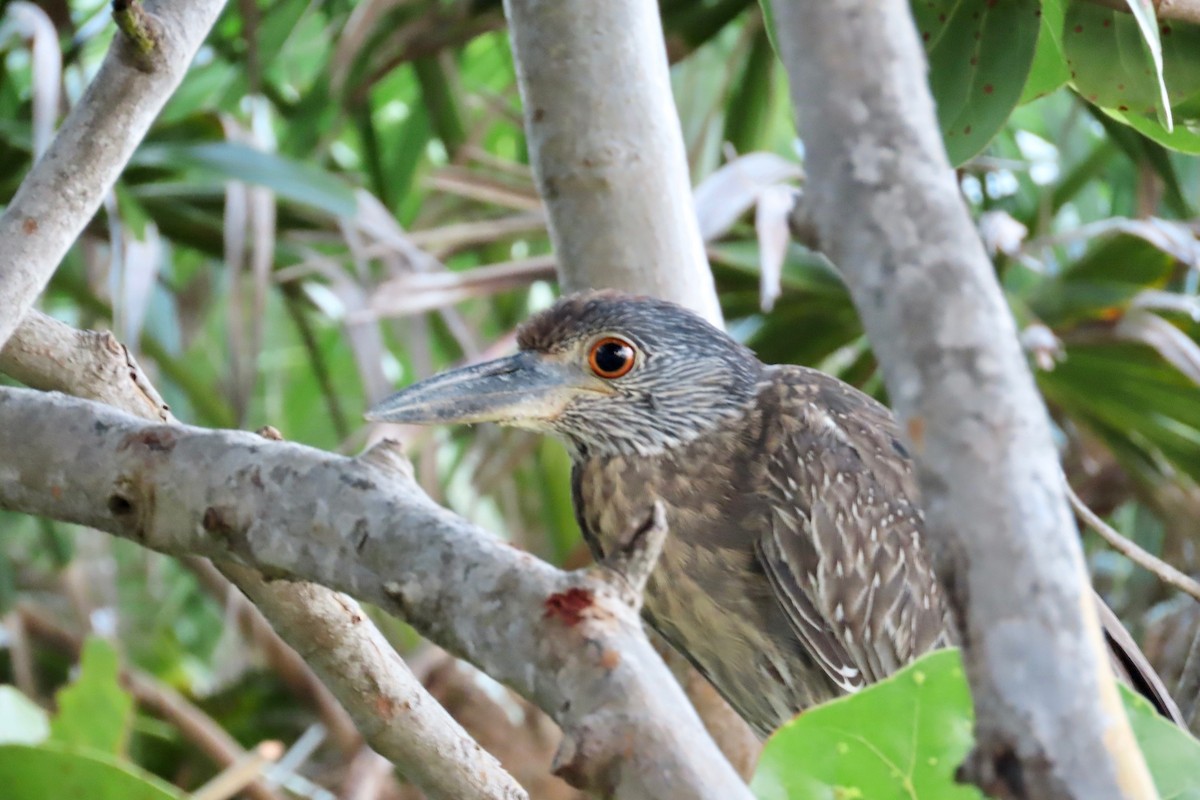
point(1000, 530)
point(609, 159)
point(363, 526)
point(607, 149)
point(1144, 559)
point(372, 682)
point(67, 184)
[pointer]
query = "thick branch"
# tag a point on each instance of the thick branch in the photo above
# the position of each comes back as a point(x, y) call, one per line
point(67, 184)
point(1049, 720)
point(609, 157)
point(607, 149)
point(362, 526)
point(353, 659)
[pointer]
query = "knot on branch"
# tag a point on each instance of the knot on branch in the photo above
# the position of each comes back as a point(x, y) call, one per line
point(142, 35)
point(388, 455)
point(577, 765)
point(627, 568)
point(997, 772)
point(802, 224)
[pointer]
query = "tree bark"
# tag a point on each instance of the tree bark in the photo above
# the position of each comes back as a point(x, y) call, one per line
point(609, 158)
point(144, 65)
point(607, 148)
point(567, 641)
point(389, 706)
point(1049, 722)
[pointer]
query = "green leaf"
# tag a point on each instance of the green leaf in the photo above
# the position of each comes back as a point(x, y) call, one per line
point(94, 711)
point(899, 739)
point(903, 739)
point(52, 770)
point(1049, 70)
point(22, 721)
point(1172, 755)
point(980, 57)
point(292, 180)
point(1120, 63)
point(1184, 138)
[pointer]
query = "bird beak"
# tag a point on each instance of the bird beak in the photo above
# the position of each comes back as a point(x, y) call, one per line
point(525, 390)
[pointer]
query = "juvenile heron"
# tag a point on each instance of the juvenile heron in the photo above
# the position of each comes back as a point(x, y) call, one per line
point(795, 568)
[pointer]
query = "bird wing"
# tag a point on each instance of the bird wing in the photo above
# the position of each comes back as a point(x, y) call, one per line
point(842, 551)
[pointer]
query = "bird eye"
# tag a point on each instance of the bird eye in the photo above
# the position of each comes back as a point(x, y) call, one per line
point(611, 357)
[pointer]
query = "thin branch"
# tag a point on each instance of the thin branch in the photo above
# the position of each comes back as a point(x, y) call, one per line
point(566, 641)
point(240, 773)
point(887, 211)
point(67, 184)
point(283, 660)
point(1131, 550)
point(1188, 690)
point(636, 558)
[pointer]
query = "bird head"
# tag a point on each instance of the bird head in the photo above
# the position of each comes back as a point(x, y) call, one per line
point(606, 372)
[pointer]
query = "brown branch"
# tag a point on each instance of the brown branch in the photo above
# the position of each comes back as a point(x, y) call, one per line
point(1143, 558)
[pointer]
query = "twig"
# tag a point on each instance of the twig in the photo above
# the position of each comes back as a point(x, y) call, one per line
point(1131, 550)
point(20, 655)
point(367, 776)
point(241, 773)
point(637, 556)
point(1188, 691)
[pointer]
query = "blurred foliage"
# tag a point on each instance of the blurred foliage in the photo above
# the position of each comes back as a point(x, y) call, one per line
point(903, 739)
point(338, 201)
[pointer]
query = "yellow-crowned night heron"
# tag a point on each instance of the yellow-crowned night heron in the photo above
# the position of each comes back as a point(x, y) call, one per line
point(794, 569)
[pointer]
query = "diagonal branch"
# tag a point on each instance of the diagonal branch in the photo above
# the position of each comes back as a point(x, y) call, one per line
point(567, 641)
point(388, 704)
point(67, 184)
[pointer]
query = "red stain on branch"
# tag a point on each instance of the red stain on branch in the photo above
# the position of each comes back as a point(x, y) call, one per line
point(569, 606)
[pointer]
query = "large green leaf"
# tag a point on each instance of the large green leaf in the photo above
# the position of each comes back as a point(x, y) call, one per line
point(900, 739)
point(1172, 755)
point(1121, 63)
point(94, 711)
point(1049, 70)
point(980, 56)
point(904, 737)
point(53, 770)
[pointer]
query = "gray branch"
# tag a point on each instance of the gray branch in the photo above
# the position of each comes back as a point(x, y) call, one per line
point(389, 706)
point(1049, 721)
point(607, 149)
point(362, 526)
point(67, 184)
point(608, 154)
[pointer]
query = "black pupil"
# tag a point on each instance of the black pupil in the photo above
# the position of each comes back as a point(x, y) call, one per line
point(612, 357)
